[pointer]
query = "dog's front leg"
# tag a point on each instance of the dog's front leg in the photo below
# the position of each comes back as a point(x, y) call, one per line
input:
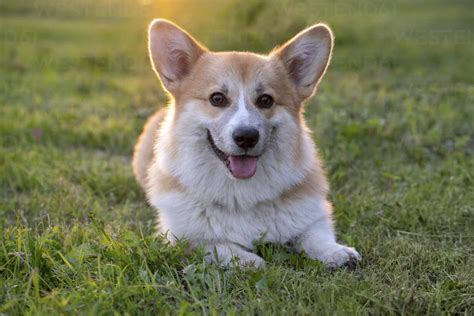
point(319, 242)
point(224, 254)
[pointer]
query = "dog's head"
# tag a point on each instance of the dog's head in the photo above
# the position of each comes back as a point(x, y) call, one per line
point(240, 104)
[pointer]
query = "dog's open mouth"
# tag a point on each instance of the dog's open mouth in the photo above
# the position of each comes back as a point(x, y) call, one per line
point(241, 167)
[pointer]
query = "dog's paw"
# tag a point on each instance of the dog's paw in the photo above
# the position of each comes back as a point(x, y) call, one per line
point(337, 255)
point(234, 256)
point(249, 260)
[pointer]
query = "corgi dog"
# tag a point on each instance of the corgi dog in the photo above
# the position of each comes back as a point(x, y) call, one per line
point(230, 160)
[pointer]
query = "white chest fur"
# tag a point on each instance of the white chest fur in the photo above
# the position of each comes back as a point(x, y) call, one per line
point(183, 216)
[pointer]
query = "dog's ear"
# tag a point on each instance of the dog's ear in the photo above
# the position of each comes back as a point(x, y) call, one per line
point(173, 52)
point(306, 57)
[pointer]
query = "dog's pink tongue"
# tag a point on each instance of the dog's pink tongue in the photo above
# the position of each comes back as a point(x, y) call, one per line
point(243, 167)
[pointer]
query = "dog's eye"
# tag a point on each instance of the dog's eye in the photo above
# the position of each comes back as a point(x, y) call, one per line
point(218, 99)
point(265, 101)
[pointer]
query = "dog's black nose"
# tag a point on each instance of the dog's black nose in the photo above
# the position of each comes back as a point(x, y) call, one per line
point(245, 137)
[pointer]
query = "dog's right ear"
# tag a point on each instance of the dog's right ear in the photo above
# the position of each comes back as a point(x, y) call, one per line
point(306, 57)
point(173, 52)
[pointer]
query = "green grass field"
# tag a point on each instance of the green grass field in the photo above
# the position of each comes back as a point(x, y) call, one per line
point(394, 120)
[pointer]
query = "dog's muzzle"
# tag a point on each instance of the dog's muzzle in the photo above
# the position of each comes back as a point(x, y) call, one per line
point(240, 166)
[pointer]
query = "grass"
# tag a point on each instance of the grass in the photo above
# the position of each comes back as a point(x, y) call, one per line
point(393, 119)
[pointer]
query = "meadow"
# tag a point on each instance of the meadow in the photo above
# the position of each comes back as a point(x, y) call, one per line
point(393, 118)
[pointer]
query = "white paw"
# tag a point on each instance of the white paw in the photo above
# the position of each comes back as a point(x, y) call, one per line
point(229, 256)
point(250, 259)
point(336, 255)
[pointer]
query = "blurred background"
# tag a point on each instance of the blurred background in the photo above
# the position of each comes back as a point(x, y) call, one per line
point(77, 87)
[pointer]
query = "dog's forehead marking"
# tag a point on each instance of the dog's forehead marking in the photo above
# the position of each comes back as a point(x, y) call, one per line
point(240, 74)
point(229, 72)
point(242, 114)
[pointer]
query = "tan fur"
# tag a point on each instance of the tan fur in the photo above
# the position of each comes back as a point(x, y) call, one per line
point(143, 154)
point(314, 184)
point(163, 182)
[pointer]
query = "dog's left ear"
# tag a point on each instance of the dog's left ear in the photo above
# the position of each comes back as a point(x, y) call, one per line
point(173, 52)
point(306, 57)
